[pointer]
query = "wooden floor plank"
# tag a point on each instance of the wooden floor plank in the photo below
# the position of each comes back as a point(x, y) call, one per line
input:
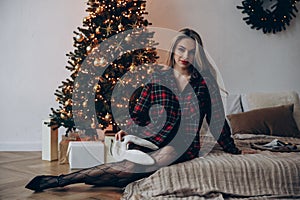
point(18, 168)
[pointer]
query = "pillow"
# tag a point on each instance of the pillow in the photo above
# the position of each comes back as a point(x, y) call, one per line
point(233, 104)
point(278, 121)
point(263, 100)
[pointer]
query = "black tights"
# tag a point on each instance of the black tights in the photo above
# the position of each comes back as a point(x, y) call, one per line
point(117, 174)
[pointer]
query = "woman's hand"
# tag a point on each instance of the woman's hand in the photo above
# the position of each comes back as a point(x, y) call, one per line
point(119, 135)
point(249, 151)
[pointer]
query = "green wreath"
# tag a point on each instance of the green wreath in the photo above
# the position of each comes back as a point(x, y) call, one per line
point(269, 21)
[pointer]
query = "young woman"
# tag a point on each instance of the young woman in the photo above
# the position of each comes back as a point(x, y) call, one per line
point(190, 73)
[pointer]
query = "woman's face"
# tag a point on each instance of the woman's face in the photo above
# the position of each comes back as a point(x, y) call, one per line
point(184, 53)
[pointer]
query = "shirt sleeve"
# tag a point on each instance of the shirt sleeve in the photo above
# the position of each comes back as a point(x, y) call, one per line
point(155, 129)
point(215, 117)
point(142, 106)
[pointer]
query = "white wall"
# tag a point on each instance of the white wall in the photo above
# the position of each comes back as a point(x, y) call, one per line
point(35, 36)
point(248, 59)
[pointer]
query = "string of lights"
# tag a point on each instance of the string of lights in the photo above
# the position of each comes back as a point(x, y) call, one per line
point(105, 19)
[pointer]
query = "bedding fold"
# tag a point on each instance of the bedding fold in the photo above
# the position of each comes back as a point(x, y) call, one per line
point(250, 175)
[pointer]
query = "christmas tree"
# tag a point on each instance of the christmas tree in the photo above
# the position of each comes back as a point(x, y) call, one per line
point(113, 41)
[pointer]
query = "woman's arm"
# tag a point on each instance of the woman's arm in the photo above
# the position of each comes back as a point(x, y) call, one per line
point(215, 117)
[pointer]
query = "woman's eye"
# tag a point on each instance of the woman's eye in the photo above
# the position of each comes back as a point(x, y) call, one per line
point(192, 52)
point(180, 49)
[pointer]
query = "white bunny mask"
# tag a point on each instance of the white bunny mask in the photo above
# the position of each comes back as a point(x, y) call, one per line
point(121, 152)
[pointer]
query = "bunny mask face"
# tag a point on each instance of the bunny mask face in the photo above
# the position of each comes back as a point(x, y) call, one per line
point(121, 152)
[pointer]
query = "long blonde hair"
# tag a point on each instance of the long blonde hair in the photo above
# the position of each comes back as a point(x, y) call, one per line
point(201, 61)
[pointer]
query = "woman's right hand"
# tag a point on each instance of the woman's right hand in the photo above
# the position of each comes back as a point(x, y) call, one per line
point(119, 135)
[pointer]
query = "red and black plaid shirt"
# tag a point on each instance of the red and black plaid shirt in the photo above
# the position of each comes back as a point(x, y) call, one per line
point(164, 112)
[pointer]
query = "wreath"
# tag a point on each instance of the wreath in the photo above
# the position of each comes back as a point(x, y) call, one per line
point(273, 19)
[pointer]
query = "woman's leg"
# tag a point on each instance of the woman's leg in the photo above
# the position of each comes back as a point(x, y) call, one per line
point(110, 174)
point(117, 174)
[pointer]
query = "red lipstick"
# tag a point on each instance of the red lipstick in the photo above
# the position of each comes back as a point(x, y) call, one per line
point(184, 62)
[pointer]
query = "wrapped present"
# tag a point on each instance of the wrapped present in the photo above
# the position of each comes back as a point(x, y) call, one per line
point(76, 136)
point(64, 144)
point(49, 142)
point(84, 154)
point(63, 148)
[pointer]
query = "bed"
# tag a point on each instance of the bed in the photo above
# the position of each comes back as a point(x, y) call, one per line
point(264, 174)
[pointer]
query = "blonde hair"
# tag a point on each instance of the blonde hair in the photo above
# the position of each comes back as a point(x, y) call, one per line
point(201, 61)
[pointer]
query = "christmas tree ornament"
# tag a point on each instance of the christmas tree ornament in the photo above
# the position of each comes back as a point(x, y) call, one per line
point(120, 27)
point(92, 36)
point(118, 46)
point(76, 85)
point(85, 103)
point(108, 117)
point(93, 124)
point(108, 29)
point(97, 88)
point(134, 26)
point(99, 10)
point(140, 56)
point(98, 30)
point(86, 19)
point(132, 67)
point(62, 116)
point(79, 38)
point(128, 38)
point(102, 61)
point(69, 114)
point(68, 102)
point(88, 49)
point(77, 67)
point(97, 62)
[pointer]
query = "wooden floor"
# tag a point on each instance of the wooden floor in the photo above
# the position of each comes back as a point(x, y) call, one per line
point(18, 168)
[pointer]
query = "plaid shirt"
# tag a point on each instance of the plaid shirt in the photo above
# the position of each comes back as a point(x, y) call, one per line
point(164, 112)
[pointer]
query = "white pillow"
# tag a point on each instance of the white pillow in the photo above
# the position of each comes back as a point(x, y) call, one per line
point(263, 100)
point(233, 104)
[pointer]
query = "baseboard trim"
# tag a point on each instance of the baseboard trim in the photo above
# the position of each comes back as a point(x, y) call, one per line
point(20, 146)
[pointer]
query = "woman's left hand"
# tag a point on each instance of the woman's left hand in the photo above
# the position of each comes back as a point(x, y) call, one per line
point(249, 151)
point(119, 135)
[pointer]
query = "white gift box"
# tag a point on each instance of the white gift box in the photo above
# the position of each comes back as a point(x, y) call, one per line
point(84, 154)
point(49, 142)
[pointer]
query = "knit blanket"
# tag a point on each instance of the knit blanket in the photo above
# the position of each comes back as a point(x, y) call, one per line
point(223, 176)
